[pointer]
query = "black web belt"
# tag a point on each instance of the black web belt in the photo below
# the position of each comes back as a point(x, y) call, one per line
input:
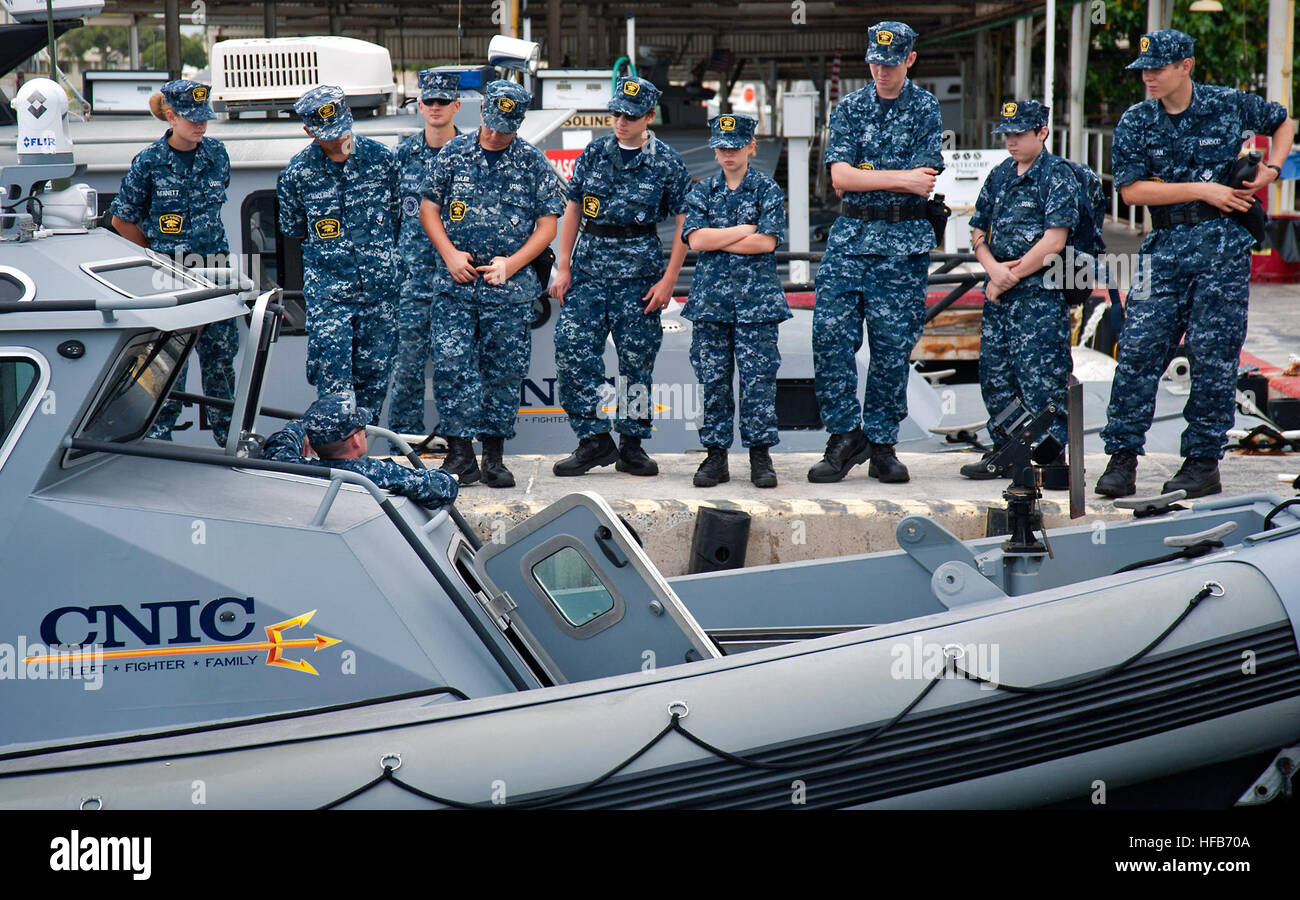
point(883, 213)
point(1162, 217)
point(619, 231)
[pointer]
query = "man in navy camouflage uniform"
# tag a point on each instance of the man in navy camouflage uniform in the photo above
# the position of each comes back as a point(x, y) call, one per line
point(735, 219)
point(614, 280)
point(341, 195)
point(438, 103)
point(334, 428)
point(1171, 153)
point(884, 154)
point(1023, 217)
point(170, 201)
point(490, 207)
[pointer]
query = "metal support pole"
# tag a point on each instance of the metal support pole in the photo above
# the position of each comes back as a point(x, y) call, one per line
point(1281, 49)
point(554, 38)
point(583, 58)
point(980, 83)
point(1080, 33)
point(334, 18)
point(631, 39)
point(268, 19)
point(172, 37)
point(1049, 55)
point(133, 42)
point(1024, 46)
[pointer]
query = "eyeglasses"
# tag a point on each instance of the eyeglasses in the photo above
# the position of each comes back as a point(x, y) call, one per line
point(623, 115)
point(437, 101)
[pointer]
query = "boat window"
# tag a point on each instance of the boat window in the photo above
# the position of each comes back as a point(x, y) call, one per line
point(278, 258)
point(17, 381)
point(572, 586)
point(141, 276)
point(136, 386)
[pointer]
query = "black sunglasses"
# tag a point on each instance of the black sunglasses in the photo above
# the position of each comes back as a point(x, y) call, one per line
point(438, 101)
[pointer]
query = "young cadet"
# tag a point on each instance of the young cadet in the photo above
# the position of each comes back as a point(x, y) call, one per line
point(489, 206)
point(884, 154)
point(340, 194)
point(1023, 216)
point(334, 428)
point(735, 219)
point(438, 103)
point(170, 201)
point(614, 280)
point(1171, 153)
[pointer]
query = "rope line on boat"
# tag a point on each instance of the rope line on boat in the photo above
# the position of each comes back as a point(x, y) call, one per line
point(1211, 589)
point(1200, 548)
point(678, 710)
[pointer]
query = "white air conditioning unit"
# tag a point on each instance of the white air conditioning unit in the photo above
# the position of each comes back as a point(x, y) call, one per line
point(271, 73)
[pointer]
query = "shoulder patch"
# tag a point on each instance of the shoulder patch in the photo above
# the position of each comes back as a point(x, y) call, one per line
point(327, 229)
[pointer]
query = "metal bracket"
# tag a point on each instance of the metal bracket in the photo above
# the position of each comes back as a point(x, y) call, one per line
point(501, 605)
point(930, 544)
point(1275, 781)
point(956, 583)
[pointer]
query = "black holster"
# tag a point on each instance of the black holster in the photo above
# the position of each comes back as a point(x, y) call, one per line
point(937, 213)
point(1243, 169)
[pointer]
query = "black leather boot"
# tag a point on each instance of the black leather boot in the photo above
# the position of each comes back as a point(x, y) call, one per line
point(843, 452)
point(761, 471)
point(713, 470)
point(461, 461)
point(885, 465)
point(632, 459)
point(593, 451)
point(979, 471)
point(1199, 476)
point(1120, 477)
point(495, 473)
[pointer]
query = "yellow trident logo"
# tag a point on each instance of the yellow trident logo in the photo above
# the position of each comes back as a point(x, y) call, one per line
point(590, 206)
point(1008, 110)
point(505, 104)
point(457, 210)
point(1145, 44)
point(170, 223)
point(727, 123)
point(326, 111)
point(631, 88)
point(884, 38)
point(328, 229)
point(200, 94)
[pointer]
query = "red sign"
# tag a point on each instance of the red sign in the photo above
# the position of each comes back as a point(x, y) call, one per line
point(562, 161)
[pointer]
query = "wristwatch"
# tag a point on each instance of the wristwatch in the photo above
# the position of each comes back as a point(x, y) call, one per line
point(1277, 169)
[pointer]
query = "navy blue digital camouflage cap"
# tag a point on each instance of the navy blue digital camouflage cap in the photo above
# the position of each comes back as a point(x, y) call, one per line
point(633, 97)
point(189, 99)
point(1160, 48)
point(333, 418)
point(324, 111)
point(1022, 115)
point(889, 43)
point(438, 84)
point(504, 105)
point(731, 132)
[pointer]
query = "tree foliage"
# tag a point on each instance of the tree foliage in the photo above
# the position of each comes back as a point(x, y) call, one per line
point(1231, 49)
point(113, 42)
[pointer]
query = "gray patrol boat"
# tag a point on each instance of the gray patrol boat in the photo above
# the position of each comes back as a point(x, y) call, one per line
point(200, 627)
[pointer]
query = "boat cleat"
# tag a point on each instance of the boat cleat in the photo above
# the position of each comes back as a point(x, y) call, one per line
point(1275, 781)
point(1145, 507)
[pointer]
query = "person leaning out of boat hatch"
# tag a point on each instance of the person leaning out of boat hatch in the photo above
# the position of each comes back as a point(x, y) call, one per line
point(340, 195)
point(334, 429)
point(489, 206)
point(735, 220)
point(438, 104)
point(1023, 216)
point(170, 201)
point(611, 280)
point(1171, 154)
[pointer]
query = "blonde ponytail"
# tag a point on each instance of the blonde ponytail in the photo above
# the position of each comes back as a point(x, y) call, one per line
point(159, 106)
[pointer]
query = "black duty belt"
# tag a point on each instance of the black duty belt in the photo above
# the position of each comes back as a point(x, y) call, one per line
point(883, 213)
point(1162, 217)
point(619, 231)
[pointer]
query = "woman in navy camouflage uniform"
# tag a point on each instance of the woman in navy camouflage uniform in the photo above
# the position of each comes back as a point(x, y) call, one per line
point(735, 220)
point(170, 201)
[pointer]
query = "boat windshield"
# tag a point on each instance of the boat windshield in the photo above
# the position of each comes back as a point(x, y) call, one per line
point(135, 388)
